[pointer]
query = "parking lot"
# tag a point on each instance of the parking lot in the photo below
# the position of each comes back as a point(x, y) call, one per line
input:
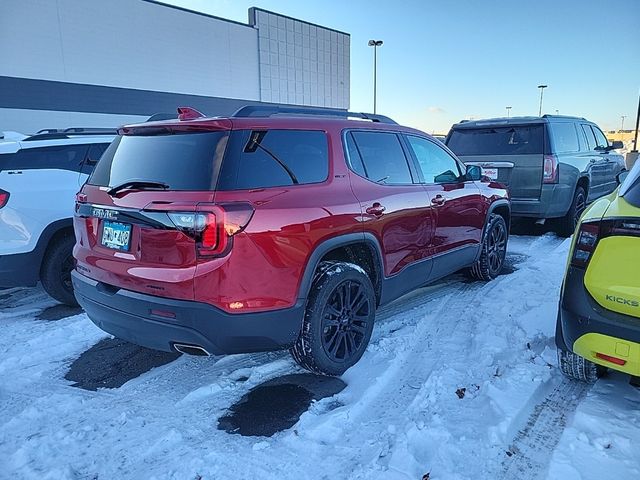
point(459, 378)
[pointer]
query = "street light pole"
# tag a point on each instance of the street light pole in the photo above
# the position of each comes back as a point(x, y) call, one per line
point(508, 111)
point(541, 87)
point(635, 137)
point(622, 124)
point(375, 44)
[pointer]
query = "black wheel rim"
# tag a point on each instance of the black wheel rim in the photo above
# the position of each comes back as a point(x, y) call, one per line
point(581, 204)
point(345, 320)
point(497, 247)
point(65, 273)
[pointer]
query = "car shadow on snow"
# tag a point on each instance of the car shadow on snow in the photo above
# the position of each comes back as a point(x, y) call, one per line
point(112, 362)
point(58, 312)
point(277, 404)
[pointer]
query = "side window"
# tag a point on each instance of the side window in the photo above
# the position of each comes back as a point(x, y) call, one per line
point(601, 140)
point(274, 158)
point(95, 152)
point(383, 158)
point(436, 164)
point(591, 139)
point(564, 136)
point(55, 158)
point(353, 156)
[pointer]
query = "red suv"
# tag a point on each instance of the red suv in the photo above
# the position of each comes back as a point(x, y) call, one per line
point(278, 227)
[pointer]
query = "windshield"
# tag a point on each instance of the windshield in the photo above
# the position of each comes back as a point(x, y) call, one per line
point(184, 161)
point(630, 188)
point(509, 140)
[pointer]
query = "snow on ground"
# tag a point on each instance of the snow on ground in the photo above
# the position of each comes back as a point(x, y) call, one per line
point(460, 381)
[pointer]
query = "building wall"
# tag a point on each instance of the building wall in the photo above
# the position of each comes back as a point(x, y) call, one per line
point(106, 62)
point(130, 44)
point(301, 62)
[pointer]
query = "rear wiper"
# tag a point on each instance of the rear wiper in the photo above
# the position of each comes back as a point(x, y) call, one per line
point(138, 184)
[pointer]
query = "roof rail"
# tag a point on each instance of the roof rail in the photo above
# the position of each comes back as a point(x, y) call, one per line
point(548, 115)
point(262, 111)
point(56, 134)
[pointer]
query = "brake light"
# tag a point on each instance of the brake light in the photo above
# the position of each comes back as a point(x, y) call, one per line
point(4, 198)
point(586, 241)
point(213, 226)
point(550, 169)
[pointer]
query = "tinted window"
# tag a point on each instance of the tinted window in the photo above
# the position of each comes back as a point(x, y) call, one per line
point(60, 158)
point(601, 140)
point(383, 157)
point(95, 152)
point(182, 161)
point(511, 140)
point(353, 156)
point(564, 137)
point(436, 164)
point(591, 139)
point(274, 158)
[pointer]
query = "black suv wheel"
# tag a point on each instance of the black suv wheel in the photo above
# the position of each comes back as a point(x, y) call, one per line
point(55, 272)
point(494, 250)
point(568, 223)
point(338, 319)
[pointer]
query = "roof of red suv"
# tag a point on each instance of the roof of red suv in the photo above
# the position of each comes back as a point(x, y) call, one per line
point(273, 117)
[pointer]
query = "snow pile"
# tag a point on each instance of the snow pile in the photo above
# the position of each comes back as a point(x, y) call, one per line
point(459, 382)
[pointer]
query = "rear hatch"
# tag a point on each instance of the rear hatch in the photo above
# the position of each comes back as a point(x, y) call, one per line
point(612, 276)
point(508, 153)
point(143, 218)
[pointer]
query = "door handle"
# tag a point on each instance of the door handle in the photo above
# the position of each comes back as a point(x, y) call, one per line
point(438, 200)
point(376, 209)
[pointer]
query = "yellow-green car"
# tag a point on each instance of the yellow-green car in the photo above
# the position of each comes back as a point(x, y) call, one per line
point(599, 314)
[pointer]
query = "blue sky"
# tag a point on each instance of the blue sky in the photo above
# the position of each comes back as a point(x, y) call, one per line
point(443, 61)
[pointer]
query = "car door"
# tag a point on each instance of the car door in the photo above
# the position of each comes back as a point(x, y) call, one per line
point(459, 211)
point(395, 208)
point(610, 167)
point(597, 166)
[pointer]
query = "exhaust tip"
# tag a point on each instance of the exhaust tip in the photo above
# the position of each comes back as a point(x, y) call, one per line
point(191, 349)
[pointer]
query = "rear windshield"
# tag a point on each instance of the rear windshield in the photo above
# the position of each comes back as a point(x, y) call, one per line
point(185, 161)
point(508, 140)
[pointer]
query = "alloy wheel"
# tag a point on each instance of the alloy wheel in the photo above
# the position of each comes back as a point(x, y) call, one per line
point(344, 320)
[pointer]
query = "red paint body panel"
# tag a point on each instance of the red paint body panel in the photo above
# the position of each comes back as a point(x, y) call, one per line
point(263, 268)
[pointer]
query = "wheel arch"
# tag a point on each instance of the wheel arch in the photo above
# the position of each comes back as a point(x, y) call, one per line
point(361, 249)
point(500, 207)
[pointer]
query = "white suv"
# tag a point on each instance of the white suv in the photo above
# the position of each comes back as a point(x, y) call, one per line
point(39, 178)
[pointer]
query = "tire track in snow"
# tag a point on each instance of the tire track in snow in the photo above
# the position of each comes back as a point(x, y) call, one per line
point(531, 449)
point(383, 411)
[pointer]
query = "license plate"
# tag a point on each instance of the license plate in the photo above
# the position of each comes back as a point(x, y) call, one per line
point(492, 173)
point(116, 235)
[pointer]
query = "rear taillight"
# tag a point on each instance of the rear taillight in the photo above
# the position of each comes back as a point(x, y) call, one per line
point(586, 241)
point(590, 233)
point(550, 169)
point(4, 198)
point(213, 226)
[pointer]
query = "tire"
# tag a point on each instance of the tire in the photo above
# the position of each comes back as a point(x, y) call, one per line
point(494, 250)
point(55, 273)
point(578, 368)
point(338, 319)
point(567, 224)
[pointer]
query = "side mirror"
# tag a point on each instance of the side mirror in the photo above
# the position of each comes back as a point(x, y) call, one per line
point(616, 144)
point(621, 176)
point(474, 173)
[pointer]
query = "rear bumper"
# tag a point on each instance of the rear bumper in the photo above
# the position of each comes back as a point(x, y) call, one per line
point(554, 202)
point(582, 322)
point(127, 315)
point(20, 269)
